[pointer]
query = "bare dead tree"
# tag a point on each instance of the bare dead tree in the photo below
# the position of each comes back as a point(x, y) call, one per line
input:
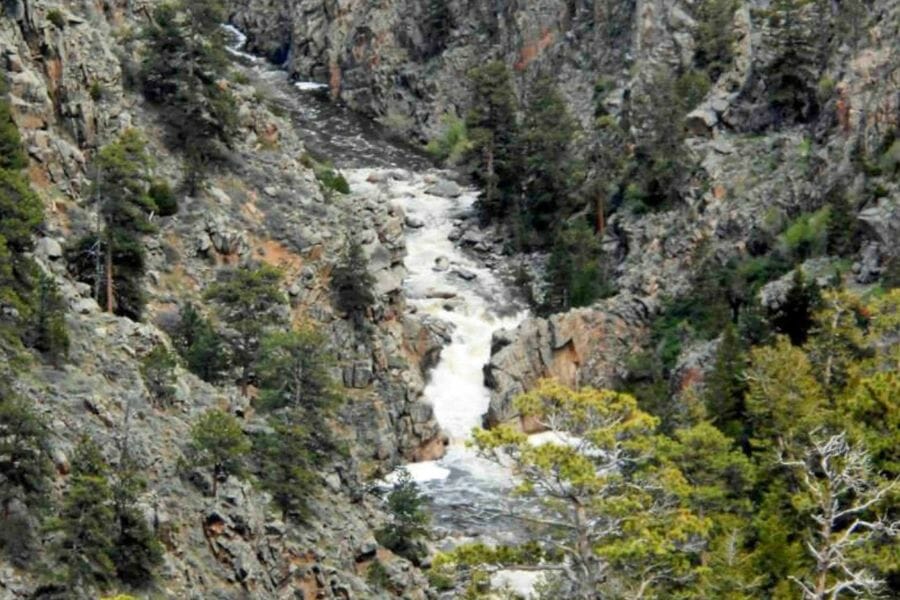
point(838, 479)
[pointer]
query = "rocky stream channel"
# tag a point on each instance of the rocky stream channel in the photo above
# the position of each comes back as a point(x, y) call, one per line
point(469, 496)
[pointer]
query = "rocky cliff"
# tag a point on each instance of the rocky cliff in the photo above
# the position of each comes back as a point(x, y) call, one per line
point(70, 67)
point(784, 124)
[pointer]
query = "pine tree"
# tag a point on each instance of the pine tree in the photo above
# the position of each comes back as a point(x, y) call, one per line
point(12, 155)
point(184, 60)
point(137, 552)
point(295, 373)
point(551, 173)
point(248, 299)
point(87, 521)
point(725, 386)
point(218, 442)
point(493, 130)
point(158, 371)
point(21, 214)
point(199, 345)
point(285, 466)
point(784, 401)
point(49, 324)
point(352, 283)
point(408, 522)
point(25, 472)
point(794, 316)
point(113, 259)
point(843, 231)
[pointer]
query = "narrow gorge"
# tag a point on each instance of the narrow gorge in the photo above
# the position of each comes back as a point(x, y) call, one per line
point(439, 299)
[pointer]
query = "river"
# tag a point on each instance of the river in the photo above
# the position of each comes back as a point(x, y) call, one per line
point(467, 495)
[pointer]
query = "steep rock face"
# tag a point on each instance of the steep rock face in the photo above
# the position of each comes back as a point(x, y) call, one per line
point(404, 62)
point(580, 347)
point(384, 60)
point(68, 92)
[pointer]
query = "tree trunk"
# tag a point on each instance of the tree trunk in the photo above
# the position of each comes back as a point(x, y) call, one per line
point(600, 213)
point(109, 274)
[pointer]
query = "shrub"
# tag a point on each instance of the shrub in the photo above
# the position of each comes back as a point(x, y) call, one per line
point(199, 345)
point(56, 17)
point(692, 87)
point(164, 197)
point(352, 283)
point(50, 334)
point(332, 180)
point(408, 520)
point(890, 160)
point(158, 371)
point(96, 91)
point(807, 236)
point(218, 442)
point(453, 143)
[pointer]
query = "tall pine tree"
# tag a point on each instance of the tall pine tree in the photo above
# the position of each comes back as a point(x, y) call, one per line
point(493, 130)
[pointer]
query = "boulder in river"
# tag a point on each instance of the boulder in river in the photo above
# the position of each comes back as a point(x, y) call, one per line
point(414, 222)
point(445, 189)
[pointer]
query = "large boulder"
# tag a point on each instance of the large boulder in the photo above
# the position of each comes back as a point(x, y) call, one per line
point(581, 347)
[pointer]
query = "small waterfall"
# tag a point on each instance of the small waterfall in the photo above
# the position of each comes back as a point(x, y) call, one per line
point(468, 494)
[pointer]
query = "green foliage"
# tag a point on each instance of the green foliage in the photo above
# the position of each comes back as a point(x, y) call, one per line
point(725, 385)
point(332, 180)
point(25, 472)
point(782, 404)
point(286, 464)
point(576, 273)
point(492, 127)
point(199, 345)
point(890, 159)
point(453, 143)
point(842, 230)
point(800, 449)
point(12, 155)
point(158, 371)
point(551, 172)
point(249, 300)
point(182, 72)
point(218, 442)
point(164, 198)
point(408, 520)
point(87, 521)
point(791, 80)
point(352, 283)
point(296, 389)
point(295, 372)
point(137, 552)
point(49, 323)
point(55, 16)
point(21, 214)
point(807, 236)
point(96, 91)
point(126, 252)
point(116, 254)
point(692, 87)
point(714, 36)
point(794, 316)
point(658, 168)
point(104, 535)
point(636, 520)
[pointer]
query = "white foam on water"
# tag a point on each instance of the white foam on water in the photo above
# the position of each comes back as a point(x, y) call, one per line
point(240, 41)
point(310, 86)
point(521, 583)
